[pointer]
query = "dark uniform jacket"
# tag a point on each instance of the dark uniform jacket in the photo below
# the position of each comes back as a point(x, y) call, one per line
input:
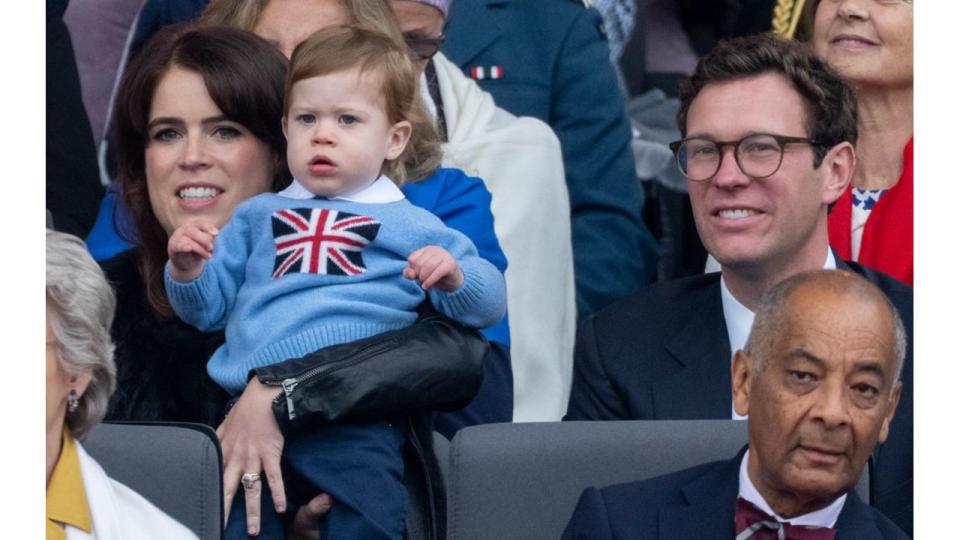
point(553, 64)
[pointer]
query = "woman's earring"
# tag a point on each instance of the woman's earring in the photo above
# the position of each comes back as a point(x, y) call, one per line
point(72, 401)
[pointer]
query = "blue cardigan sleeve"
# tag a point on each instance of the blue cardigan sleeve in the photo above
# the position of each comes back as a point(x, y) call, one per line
point(463, 203)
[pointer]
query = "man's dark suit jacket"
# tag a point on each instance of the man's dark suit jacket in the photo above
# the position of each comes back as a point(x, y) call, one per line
point(664, 354)
point(695, 504)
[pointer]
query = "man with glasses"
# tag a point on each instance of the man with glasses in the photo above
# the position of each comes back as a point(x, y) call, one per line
point(768, 134)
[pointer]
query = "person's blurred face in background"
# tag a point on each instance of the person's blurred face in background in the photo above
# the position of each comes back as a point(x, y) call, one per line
point(422, 27)
point(869, 42)
point(286, 23)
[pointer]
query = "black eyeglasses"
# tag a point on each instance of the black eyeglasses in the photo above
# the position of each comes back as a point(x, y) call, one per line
point(423, 48)
point(758, 156)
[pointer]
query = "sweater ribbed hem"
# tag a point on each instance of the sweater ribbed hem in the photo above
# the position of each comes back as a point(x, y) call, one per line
point(231, 373)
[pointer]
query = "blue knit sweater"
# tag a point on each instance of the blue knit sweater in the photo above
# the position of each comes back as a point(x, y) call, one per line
point(460, 201)
point(277, 303)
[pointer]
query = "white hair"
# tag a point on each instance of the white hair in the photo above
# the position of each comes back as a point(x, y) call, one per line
point(80, 306)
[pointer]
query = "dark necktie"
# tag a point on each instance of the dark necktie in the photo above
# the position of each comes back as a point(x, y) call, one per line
point(752, 523)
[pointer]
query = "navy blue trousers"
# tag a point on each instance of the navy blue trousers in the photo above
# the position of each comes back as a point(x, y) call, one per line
point(359, 465)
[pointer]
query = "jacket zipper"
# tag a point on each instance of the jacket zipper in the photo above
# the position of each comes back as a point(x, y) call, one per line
point(289, 384)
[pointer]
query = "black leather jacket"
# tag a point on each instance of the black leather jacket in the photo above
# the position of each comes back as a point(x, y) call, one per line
point(435, 364)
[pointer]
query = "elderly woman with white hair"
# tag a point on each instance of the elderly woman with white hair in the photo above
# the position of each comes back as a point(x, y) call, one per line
point(82, 501)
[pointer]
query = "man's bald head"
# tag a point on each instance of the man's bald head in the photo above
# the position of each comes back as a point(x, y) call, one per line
point(770, 320)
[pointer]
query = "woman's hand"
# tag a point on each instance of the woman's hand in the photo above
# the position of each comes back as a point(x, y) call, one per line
point(252, 443)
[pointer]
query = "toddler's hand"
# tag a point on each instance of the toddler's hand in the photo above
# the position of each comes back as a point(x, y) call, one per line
point(433, 265)
point(189, 246)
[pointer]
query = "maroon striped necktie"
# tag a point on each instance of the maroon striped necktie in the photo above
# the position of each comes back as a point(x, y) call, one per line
point(752, 523)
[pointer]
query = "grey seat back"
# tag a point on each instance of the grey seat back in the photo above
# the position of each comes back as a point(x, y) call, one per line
point(522, 481)
point(177, 467)
point(441, 447)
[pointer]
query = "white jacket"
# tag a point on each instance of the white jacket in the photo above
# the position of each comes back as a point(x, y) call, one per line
point(520, 161)
point(118, 512)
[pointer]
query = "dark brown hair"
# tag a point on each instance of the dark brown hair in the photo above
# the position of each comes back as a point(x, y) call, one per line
point(338, 48)
point(831, 110)
point(244, 76)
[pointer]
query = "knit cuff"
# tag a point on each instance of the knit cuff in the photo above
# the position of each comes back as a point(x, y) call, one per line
point(187, 297)
point(481, 300)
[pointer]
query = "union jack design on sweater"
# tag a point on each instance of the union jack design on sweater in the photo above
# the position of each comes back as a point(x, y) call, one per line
point(321, 241)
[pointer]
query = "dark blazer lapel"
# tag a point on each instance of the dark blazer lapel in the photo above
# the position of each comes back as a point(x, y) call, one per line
point(856, 520)
point(470, 29)
point(841, 264)
point(702, 388)
point(708, 514)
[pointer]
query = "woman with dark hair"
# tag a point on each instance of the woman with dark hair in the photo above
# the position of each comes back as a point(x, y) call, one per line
point(241, 122)
point(209, 96)
point(527, 375)
point(197, 124)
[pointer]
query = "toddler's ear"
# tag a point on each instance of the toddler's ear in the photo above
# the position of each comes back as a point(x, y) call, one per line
point(283, 125)
point(398, 137)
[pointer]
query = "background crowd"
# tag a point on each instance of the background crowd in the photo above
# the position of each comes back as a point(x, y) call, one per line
point(568, 140)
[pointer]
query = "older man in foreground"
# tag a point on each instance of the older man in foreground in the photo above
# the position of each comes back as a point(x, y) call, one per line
point(819, 378)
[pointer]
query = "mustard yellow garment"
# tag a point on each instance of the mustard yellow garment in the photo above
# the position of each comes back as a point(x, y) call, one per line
point(66, 498)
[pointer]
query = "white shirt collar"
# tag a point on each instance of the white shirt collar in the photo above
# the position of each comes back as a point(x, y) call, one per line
point(831, 262)
point(825, 517)
point(381, 191)
point(739, 318)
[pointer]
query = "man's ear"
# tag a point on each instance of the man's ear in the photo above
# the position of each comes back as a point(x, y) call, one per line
point(741, 375)
point(398, 137)
point(838, 165)
point(891, 408)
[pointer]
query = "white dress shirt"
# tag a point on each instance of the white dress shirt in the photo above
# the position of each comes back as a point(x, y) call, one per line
point(825, 517)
